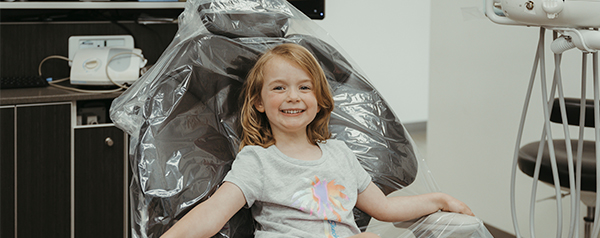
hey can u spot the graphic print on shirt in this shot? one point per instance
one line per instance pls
(330, 229)
(322, 198)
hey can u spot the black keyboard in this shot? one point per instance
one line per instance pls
(22, 82)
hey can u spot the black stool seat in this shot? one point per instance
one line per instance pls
(572, 107)
(528, 155)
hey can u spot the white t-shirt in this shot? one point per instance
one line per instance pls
(297, 198)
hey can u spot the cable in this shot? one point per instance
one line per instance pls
(82, 90)
(520, 136)
(550, 141)
(553, 164)
(51, 57)
(541, 147)
(596, 229)
(541, 55)
(568, 144)
(54, 83)
(580, 142)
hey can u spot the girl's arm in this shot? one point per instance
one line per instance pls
(403, 208)
(206, 219)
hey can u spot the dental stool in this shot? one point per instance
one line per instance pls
(529, 152)
(182, 115)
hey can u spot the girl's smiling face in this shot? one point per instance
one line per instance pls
(287, 97)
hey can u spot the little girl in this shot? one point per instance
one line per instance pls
(296, 180)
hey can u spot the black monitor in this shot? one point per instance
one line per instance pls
(315, 9)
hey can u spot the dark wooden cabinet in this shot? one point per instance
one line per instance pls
(100, 194)
(60, 179)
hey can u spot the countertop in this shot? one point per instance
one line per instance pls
(47, 95)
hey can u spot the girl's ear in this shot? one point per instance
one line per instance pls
(259, 106)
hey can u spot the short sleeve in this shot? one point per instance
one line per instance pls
(362, 177)
(245, 173)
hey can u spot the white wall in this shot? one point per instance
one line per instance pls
(389, 40)
(478, 79)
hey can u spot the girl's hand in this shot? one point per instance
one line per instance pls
(454, 205)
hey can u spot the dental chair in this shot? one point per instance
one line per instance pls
(182, 115)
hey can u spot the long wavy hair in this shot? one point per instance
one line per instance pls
(256, 129)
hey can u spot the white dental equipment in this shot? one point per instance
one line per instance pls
(577, 22)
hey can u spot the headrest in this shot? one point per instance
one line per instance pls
(233, 22)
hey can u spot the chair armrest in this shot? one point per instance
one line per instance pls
(443, 224)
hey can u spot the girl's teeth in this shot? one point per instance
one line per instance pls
(292, 111)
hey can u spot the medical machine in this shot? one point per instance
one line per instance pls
(104, 60)
(575, 23)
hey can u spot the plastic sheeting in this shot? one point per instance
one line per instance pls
(182, 118)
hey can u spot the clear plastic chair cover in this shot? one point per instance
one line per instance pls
(182, 118)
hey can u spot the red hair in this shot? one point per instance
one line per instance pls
(256, 129)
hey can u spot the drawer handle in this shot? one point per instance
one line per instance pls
(108, 141)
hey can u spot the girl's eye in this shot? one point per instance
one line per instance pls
(278, 88)
(305, 88)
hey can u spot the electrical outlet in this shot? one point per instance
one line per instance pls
(83, 42)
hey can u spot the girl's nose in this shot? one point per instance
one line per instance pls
(293, 95)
